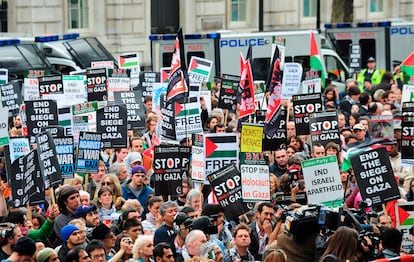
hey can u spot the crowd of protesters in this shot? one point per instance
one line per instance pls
(115, 215)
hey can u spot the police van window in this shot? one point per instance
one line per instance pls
(368, 49)
(191, 54)
(260, 67)
(342, 48)
(166, 59)
(336, 71)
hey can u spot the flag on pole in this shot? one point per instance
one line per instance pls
(246, 91)
(315, 58)
(248, 57)
(178, 80)
(273, 85)
(407, 66)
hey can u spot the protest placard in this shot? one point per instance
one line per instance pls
(74, 87)
(65, 120)
(375, 176)
(168, 119)
(18, 146)
(187, 118)
(31, 84)
(11, 97)
(4, 76)
(131, 61)
(405, 220)
(382, 127)
(4, 126)
(303, 106)
(102, 64)
(89, 147)
(48, 161)
(118, 80)
(279, 138)
(323, 182)
(407, 93)
(111, 121)
(220, 150)
(251, 138)
(227, 187)
(22, 183)
(96, 87)
(171, 164)
(312, 83)
(407, 109)
(199, 69)
(64, 147)
(292, 75)
(40, 114)
(324, 128)
(228, 94)
(135, 110)
(255, 177)
(147, 81)
(407, 140)
(197, 158)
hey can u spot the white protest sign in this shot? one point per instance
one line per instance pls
(311, 86)
(102, 64)
(292, 75)
(31, 89)
(197, 158)
(4, 126)
(75, 89)
(407, 94)
(255, 183)
(323, 182)
(199, 70)
(405, 220)
(206, 96)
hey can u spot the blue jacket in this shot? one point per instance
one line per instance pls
(143, 196)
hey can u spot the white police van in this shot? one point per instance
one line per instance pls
(224, 49)
(386, 41)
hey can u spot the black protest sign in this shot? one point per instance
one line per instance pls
(278, 140)
(11, 97)
(147, 80)
(407, 140)
(22, 183)
(303, 106)
(64, 152)
(168, 120)
(89, 147)
(96, 86)
(55, 131)
(226, 184)
(40, 114)
(228, 94)
(407, 109)
(111, 121)
(375, 176)
(324, 128)
(50, 85)
(48, 160)
(170, 165)
(135, 110)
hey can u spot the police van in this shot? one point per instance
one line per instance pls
(224, 49)
(385, 41)
(67, 52)
(19, 58)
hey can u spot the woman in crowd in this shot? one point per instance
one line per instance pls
(330, 94)
(143, 247)
(112, 181)
(333, 149)
(274, 187)
(106, 208)
(342, 245)
(275, 255)
(153, 217)
(410, 195)
(354, 119)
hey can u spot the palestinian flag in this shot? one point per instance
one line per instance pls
(274, 85)
(200, 66)
(128, 60)
(181, 111)
(407, 66)
(246, 91)
(221, 146)
(178, 79)
(315, 58)
(65, 119)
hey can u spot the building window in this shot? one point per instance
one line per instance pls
(309, 8)
(78, 17)
(238, 10)
(376, 6)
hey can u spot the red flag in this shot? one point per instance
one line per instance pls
(246, 91)
(273, 85)
(178, 80)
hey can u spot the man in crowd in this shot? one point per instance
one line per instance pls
(369, 77)
(359, 132)
(135, 187)
(318, 150)
(104, 234)
(193, 243)
(11, 236)
(163, 253)
(96, 250)
(166, 233)
(280, 165)
(71, 237)
(23, 250)
(89, 215)
(68, 201)
(240, 251)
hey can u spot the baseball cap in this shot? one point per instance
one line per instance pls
(358, 127)
(82, 211)
(138, 169)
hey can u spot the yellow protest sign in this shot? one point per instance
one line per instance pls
(251, 138)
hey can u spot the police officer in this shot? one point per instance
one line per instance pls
(369, 77)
